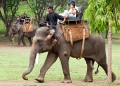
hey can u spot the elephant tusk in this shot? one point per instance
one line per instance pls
(37, 59)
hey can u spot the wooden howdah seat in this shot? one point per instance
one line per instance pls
(78, 15)
(76, 29)
(27, 25)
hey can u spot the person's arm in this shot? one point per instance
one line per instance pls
(47, 19)
(59, 16)
(73, 11)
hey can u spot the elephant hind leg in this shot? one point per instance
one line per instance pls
(102, 62)
(23, 41)
(89, 75)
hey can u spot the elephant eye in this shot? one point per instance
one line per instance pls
(40, 40)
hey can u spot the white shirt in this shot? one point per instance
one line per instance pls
(73, 10)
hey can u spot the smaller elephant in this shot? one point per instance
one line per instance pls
(18, 29)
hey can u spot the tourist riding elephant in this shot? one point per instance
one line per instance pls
(18, 29)
(94, 49)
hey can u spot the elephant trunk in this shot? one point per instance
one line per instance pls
(31, 64)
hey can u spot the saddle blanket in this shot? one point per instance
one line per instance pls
(27, 27)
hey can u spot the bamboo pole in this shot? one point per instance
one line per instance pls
(110, 53)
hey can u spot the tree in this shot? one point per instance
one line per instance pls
(39, 7)
(82, 3)
(104, 14)
(8, 12)
(1, 3)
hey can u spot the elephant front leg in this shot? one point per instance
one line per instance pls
(29, 38)
(51, 58)
(19, 40)
(89, 74)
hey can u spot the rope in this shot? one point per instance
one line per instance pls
(29, 27)
(83, 42)
(71, 38)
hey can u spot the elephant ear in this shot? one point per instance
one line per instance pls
(47, 32)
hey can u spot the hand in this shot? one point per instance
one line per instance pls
(48, 38)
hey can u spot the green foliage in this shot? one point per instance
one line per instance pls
(9, 8)
(100, 12)
(2, 27)
(24, 8)
(8, 12)
(39, 7)
(82, 3)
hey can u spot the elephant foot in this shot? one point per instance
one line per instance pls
(113, 77)
(18, 45)
(40, 79)
(88, 79)
(66, 81)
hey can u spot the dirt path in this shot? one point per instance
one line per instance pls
(47, 83)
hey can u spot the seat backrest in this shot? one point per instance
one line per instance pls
(80, 12)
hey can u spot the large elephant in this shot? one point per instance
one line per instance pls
(17, 29)
(94, 49)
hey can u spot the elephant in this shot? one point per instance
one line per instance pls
(17, 29)
(94, 50)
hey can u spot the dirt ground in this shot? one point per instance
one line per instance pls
(10, 46)
(47, 83)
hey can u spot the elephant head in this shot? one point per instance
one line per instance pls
(13, 31)
(39, 46)
(40, 36)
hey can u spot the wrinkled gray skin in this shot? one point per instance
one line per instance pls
(17, 29)
(94, 49)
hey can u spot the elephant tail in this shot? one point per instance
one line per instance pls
(97, 70)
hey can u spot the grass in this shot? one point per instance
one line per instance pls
(2, 27)
(14, 60)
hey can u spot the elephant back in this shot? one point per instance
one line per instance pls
(27, 27)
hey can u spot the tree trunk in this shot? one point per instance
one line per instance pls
(106, 34)
(1, 3)
(7, 30)
(110, 53)
(67, 7)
